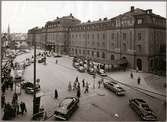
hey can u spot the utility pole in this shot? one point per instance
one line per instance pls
(34, 98)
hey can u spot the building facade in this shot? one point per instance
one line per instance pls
(137, 36)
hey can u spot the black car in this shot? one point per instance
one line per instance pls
(66, 108)
(29, 87)
(114, 87)
(142, 109)
(41, 60)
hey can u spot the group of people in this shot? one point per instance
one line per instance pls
(138, 79)
(76, 87)
(13, 109)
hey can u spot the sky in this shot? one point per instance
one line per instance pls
(24, 15)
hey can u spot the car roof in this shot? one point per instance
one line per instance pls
(139, 100)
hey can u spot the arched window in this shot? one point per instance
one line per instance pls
(112, 57)
(97, 54)
(103, 55)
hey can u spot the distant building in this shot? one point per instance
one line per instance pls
(136, 37)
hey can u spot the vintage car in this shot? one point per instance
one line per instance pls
(114, 87)
(66, 108)
(41, 60)
(29, 87)
(142, 109)
(91, 71)
(101, 72)
(81, 69)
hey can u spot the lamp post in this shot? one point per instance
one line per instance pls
(34, 97)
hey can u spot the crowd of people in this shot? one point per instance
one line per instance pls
(85, 85)
(10, 108)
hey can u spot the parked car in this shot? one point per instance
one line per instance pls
(41, 60)
(101, 72)
(18, 74)
(29, 87)
(66, 108)
(75, 64)
(81, 69)
(114, 87)
(142, 109)
(91, 71)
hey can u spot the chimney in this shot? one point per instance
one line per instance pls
(100, 19)
(70, 14)
(88, 20)
(105, 18)
(57, 17)
(132, 8)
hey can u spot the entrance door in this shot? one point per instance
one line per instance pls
(139, 64)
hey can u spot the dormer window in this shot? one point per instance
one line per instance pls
(139, 21)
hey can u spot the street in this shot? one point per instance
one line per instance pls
(99, 104)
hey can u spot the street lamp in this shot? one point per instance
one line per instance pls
(34, 97)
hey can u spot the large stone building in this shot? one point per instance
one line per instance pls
(137, 37)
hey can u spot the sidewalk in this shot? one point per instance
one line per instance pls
(148, 81)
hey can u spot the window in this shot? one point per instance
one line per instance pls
(139, 36)
(98, 44)
(88, 36)
(80, 51)
(112, 57)
(97, 54)
(117, 39)
(103, 44)
(98, 36)
(139, 48)
(83, 51)
(124, 36)
(103, 36)
(112, 45)
(88, 52)
(92, 36)
(103, 55)
(124, 47)
(139, 21)
(76, 51)
(112, 36)
(92, 53)
(130, 39)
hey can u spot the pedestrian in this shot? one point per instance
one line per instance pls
(2, 100)
(83, 82)
(69, 86)
(131, 75)
(15, 98)
(76, 80)
(78, 92)
(86, 88)
(137, 69)
(99, 83)
(138, 80)
(3, 88)
(56, 94)
(7, 112)
(11, 84)
(23, 107)
(78, 85)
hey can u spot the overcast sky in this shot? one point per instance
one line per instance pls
(23, 15)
